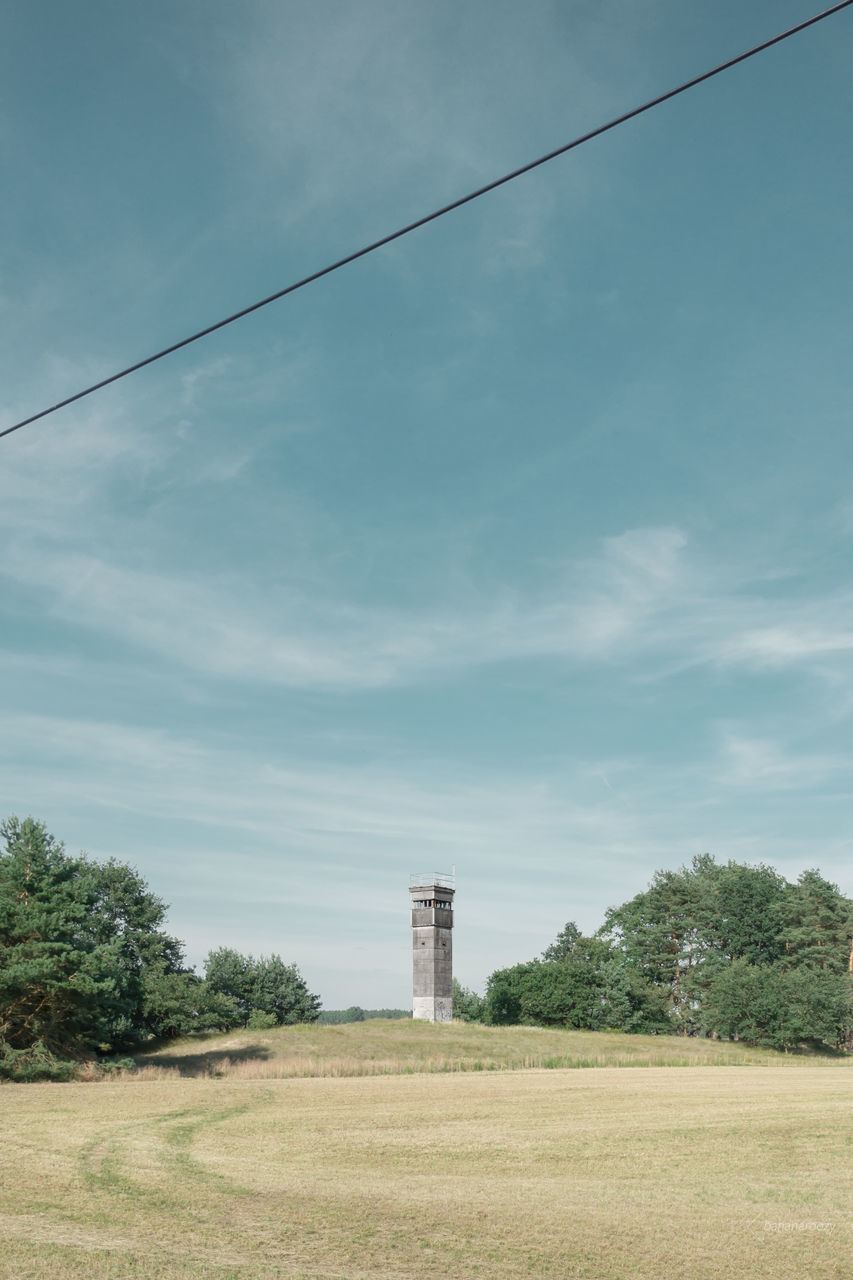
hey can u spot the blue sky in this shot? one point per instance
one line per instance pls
(522, 545)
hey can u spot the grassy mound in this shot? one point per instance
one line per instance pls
(382, 1047)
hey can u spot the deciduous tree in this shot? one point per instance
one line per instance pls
(267, 985)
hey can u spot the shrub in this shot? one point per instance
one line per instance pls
(260, 1021)
(36, 1062)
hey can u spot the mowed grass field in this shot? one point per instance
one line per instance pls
(684, 1172)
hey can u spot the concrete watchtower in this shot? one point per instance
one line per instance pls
(432, 946)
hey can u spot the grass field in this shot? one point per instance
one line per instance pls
(689, 1173)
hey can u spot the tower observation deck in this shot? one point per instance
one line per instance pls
(432, 946)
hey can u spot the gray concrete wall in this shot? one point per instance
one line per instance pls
(432, 915)
(432, 968)
(433, 1008)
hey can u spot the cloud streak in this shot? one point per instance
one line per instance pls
(213, 624)
(641, 599)
(766, 764)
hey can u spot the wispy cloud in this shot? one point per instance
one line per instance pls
(797, 637)
(347, 816)
(221, 626)
(58, 476)
(372, 121)
(767, 764)
(641, 599)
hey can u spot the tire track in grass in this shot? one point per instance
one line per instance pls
(105, 1159)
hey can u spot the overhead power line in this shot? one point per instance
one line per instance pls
(437, 213)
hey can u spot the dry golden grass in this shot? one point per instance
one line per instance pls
(382, 1047)
(660, 1174)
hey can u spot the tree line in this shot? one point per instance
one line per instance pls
(729, 950)
(355, 1013)
(87, 969)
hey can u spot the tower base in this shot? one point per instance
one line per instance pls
(433, 1008)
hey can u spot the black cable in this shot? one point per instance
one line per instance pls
(437, 213)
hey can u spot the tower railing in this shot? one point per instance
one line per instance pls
(422, 879)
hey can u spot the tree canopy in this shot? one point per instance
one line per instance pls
(264, 986)
(86, 964)
(716, 949)
(81, 946)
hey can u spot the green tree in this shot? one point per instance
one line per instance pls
(564, 943)
(178, 1003)
(730, 950)
(279, 989)
(589, 985)
(745, 911)
(545, 994)
(77, 939)
(467, 1005)
(52, 988)
(630, 1002)
(778, 1006)
(691, 923)
(266, 985)
(816, 925)
(336, 1017)
(661, 932)
(230, 974)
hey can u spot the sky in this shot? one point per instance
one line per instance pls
(520, 547)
